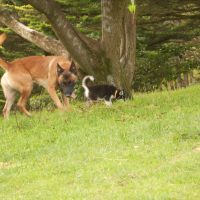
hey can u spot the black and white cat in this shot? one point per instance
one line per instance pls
(99, 92)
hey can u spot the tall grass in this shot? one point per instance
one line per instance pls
(145, 148)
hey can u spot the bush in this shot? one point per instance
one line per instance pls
(166, 64)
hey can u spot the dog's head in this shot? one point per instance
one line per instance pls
(67, 79)
(120, 94)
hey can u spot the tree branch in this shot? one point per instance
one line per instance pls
(81, 48)
(45, 42)
(176, 13)
(179, 17)
(165, 39)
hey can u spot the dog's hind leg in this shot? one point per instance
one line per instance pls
(25, 93)
(10, 95)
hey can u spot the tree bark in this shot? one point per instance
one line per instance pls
(82, 49)
(171, 85)
(191, 76)
(186, 80)
(160, 87)
(44, 42)
(176, 85)
(179, 81)
(119, 41)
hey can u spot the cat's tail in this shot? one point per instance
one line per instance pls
(86, 80)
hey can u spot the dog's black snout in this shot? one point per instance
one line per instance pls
(67, 95)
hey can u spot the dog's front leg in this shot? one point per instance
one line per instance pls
(66, 101)
(54, 96)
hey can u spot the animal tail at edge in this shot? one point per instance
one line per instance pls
(3, 63)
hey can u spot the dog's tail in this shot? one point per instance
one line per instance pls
(3, 63)
(2, 38)
(86, 80)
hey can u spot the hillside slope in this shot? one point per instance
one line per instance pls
(147, 148)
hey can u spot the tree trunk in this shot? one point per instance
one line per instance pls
(110, 59)
(179, 82)
(118, 42)
(160, 87)
(171, 85)
(186, 81)
(191, 76)
(176, 85)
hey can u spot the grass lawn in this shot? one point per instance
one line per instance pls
(145, 148)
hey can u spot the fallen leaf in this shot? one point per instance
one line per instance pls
(119, 164)
(159, 113)
(197, 149)
(175, 108)
(66, 120)
(7, 164)
(122, 183)
(127, 116)
(151, 106)
(122, 120)
(71, 182)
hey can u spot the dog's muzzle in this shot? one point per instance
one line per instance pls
(68, 90)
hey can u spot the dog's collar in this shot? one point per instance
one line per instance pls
(115, 94)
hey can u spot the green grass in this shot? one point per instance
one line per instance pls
(150, 151)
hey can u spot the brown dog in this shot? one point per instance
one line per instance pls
(52, 72)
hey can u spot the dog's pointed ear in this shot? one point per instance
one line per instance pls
(73, 68)
(60, 70)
